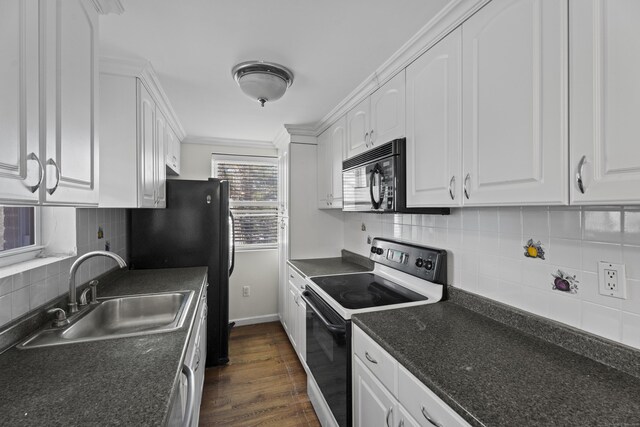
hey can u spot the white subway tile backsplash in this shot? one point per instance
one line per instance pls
(601, 320)
(22, 279)
(5, 309)
(631, 329)
(19, 302)
(6, 285)
(486, 251)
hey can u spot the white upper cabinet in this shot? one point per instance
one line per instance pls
(388, 111)
(48, 94)
(71, 94)
(434, 115)
(20, 162)
(514, 80)
(330, 157)
(358, 127)
(147, 189)
(173, 151)
(377, 119)
(160, 175)
(605, 101)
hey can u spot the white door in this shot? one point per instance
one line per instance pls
(292, 314)
(147, 148)
(160, 161)
(358, 128)
(605, 101)
(324, 169)
(388, 111)
(20, 160)
(70, 72)
(338, 137)
(514, 75)
(373, 405)
(301, 321)
(434, 117)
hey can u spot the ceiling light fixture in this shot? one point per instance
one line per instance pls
(264, 81)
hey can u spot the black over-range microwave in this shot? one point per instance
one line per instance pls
(375, 181)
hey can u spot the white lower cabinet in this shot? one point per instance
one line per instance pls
(386, 394)
(296, 313)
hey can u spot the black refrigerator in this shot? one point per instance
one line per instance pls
(195, 229)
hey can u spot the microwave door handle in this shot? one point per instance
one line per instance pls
(334, 329)
(375, 171)
(233, 243)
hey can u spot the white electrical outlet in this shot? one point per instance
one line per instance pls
(611, 279)
(246, 291)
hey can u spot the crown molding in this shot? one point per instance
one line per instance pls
(302, 130)
(448, 19)
(143, 70)
(105, 7)
(228, 142)
(282, 139)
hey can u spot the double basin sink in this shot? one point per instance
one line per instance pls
(118, 317)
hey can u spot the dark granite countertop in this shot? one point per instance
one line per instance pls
(348, 263)
(123, 381)
(495, 375)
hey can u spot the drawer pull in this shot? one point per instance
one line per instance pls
(369, 358)
(389, 412)
(428, 417)
(401, 423)
(291, 275)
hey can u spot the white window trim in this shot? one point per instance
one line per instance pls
(25, 253)
(249, 160)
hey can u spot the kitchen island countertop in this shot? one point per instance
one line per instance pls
(122, 381)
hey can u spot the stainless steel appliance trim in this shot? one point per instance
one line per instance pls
(336, 329)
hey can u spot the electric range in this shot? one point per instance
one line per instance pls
(404, 275)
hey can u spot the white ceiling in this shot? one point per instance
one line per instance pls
(330, 45)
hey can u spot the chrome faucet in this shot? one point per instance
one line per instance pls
(73, 305)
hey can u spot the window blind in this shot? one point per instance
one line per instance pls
(253, 198)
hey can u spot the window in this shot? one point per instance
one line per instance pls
(253, 198)
(18, 233)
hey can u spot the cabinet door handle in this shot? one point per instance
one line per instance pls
(389, 412)
(579, 181)
(466, 182)
(191, 395)
(371, 138)
(369, 358)
(55, 165)
(34, 188)
(366, 138)
(426, 415)
(452, 182)
(401, 423)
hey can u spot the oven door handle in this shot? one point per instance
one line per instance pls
(334, 329)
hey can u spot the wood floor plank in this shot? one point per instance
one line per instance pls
(264, 383)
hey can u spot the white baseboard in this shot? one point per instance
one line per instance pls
(256, 319)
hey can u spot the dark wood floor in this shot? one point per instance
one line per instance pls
(263, 384)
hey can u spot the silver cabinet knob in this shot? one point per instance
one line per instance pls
(34, 188)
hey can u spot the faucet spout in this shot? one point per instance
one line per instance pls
(73, 305)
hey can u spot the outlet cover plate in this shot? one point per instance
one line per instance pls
(616, 288)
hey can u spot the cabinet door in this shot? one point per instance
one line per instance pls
(70, 76)
(292, 304)
(324, 169)
(373, 405)
(338, 137)
(406, 420)
(434, 116)
(605, 101)
(358, 128)
(301, 320)
(20, 167)
(388, 111)
(147, 151)
(160, 173)
(514, 76)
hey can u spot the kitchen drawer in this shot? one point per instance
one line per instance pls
(379, 362)
(297, 279)
(422, 404)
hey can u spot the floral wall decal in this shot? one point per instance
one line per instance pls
(565, 282)
(533, 250)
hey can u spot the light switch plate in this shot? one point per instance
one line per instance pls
(612, 280)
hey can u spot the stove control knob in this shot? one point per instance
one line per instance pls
(428, 264)
(379, 251)
(419, 262)
(373, 249)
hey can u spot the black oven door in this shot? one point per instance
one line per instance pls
(329, 355)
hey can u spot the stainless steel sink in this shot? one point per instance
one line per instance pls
(119, 317)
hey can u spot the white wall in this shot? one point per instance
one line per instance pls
(486, 255)
(257, 269)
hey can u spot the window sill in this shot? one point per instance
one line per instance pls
(20, 267)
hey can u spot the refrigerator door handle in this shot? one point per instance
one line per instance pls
(233, 243)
